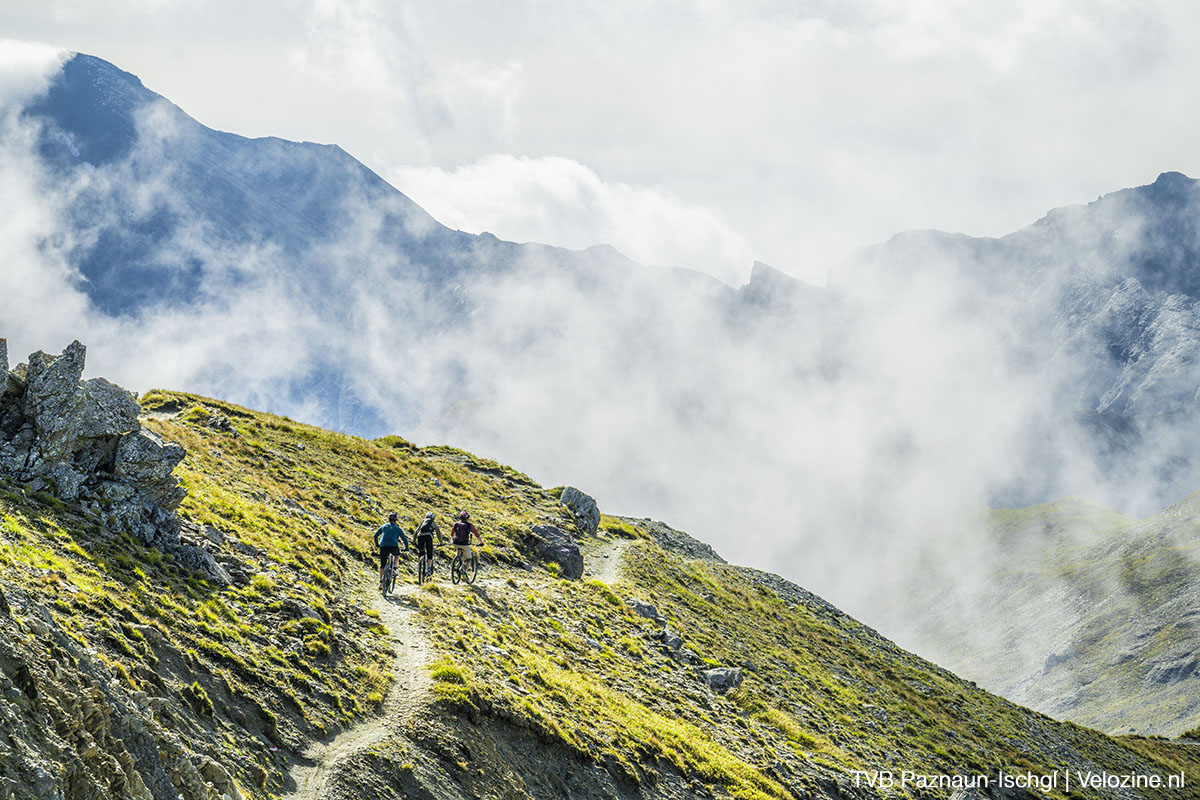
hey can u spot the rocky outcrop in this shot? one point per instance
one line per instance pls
(70, 729)
(584, 508)
(557, 546)
(81, 441)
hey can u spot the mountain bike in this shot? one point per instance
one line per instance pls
(464, 572)
(424, 569)
(388, 584)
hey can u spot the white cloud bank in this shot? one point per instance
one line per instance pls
(564, 202)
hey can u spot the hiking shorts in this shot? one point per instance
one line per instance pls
(425, 546)
(464, 550)
(384, 552)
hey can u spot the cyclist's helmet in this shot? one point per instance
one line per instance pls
(464, 516)
(392, 517)
(429, 515)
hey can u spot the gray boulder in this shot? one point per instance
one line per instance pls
(670, 639)
(3, 364)
(198, 560)
(722, 679)
(147, 463)
(554, 544)
(587, 513)
(107, 410)
(645, 610)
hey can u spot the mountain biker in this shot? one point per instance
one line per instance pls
(387, 539)
(460, 535)
(425, 533)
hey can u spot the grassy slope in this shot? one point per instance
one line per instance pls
(565, 662)
(1085, 603)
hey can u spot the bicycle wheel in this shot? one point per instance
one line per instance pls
(386, 581)
(456, 573)
(421, 570)
(392, 577)
(471, 571)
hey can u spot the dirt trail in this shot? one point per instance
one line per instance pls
(408, 693)
(411, 689)
(604, 563)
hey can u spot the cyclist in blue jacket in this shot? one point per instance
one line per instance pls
(387, 539)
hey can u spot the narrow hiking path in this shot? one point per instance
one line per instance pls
(604, 562)
(409, 692)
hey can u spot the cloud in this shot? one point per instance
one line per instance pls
(26, 69)
(562, 202)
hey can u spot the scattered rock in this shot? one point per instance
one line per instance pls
(587, 513)
(214, 773)
(556, 545)
(645, 609)
(670, 639)
(299, 610)
(668, 538)
(249, 550)
(1172, 671)
(200, 561)
(722, 679)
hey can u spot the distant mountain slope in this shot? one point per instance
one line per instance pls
(669, 674)
(1082, 613)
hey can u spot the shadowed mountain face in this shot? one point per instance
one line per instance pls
(795, 425)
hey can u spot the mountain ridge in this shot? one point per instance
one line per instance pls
(675, 677)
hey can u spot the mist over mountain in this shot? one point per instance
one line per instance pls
(798, 428)
(1100, 306)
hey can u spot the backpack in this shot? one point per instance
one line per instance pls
(462, 532)
(427, 527)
